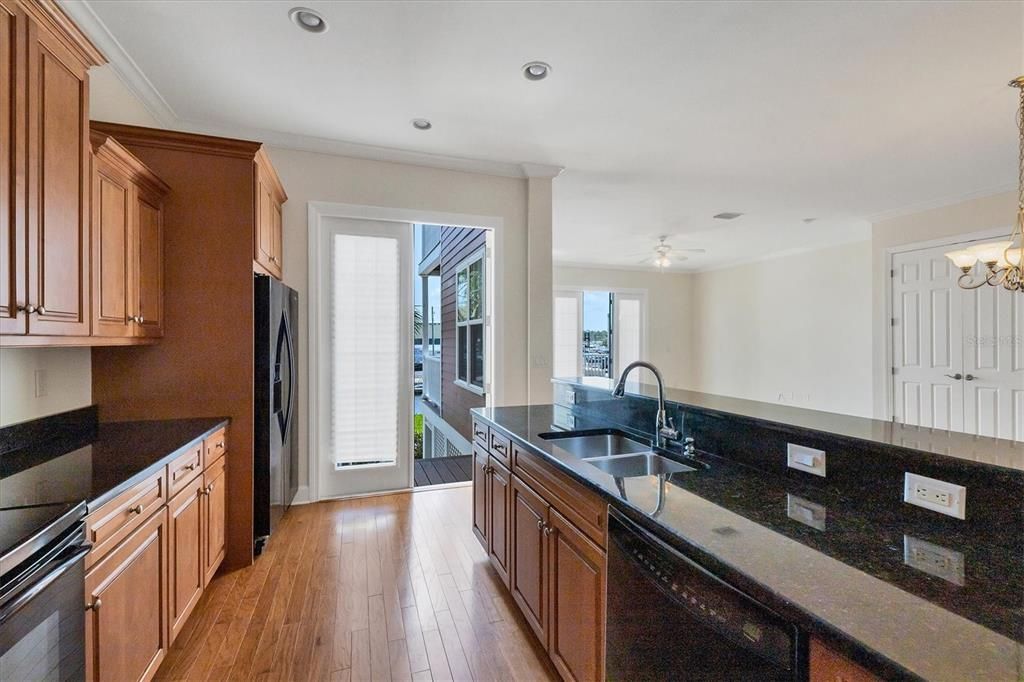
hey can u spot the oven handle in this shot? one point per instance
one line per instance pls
(15, 605)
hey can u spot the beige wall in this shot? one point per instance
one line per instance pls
(793, 330)
(669, 312)
(68, 370)
(980, 217)
(319, 177)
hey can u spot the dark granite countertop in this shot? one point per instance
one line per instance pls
(818, 556)
(995, 451)
(96, 465)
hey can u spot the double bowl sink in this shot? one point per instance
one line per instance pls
(616, 453)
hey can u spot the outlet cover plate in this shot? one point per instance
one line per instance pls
(803, 458)
(939, 496)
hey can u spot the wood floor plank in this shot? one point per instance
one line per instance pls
(393, 587)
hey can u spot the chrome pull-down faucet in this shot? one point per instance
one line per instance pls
(664, 428)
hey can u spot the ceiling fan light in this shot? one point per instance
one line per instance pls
(662, 261)
(964, 259)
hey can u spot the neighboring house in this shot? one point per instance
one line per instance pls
(451, 263)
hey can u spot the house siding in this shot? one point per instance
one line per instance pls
(457, 244)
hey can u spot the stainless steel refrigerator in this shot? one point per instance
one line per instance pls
(275, 450)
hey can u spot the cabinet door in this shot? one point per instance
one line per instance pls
(58, 200)
(149, 258)
(480, 495)
(577, 608)
(265, 213)
(113, 252)
(12, 232)
(277, 238)
(187, 574)
(499, 494)
(828, 666)
(126, 617)
(529, 570)
(214, 499)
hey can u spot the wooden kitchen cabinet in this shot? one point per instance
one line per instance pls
(829, 666)
(214, 518)
(126, 633)
(499, 495)
(127, 243)
(577, 602)
(529, 570)
(480, 464)
(187, 568)
(270, 197)
(45, 260)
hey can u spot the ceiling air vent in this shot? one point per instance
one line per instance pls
(728, 215)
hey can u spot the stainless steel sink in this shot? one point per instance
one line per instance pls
(645, 464)
(598, 443)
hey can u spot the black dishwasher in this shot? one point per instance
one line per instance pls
(669, 618)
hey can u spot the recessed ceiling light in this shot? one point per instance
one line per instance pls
(728, 215)
(536, 71)
(422, 124)
(307, 19)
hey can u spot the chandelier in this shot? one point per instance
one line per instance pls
(1001, 261)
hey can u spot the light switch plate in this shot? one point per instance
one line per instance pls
(933, 559)
(803, 458)
(931, 493)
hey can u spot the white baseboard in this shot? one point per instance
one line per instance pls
(302, 495)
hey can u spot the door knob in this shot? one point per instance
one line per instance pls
(957, 377)
(95, 606)
(970, 377)
(26, 309)
(137, 509)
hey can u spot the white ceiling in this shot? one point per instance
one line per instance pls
(662, 114)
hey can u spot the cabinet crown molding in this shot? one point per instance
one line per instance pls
(49, 14)
(156, 138)
(110, 150)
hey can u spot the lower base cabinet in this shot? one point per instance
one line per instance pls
(187, 568)
(126, 631)
(829, 666)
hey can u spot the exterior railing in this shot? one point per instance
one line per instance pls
(597, 363)
(432, 378)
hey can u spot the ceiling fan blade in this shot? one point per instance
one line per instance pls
(692, 250)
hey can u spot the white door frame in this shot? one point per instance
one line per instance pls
(316, 213)
(642, 293)
(890, 252)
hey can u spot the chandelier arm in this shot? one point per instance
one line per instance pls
(966, 281)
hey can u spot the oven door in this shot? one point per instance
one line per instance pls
(42, 617)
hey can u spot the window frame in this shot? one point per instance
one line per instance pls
(480, 255)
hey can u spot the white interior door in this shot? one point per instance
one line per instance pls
(927, 340)
(994, 363)
(568, 334)
(628, 326)
(365, 357)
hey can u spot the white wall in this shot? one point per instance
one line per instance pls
(991, 215)
(319, 177)
(68, 370)
(669, 312)
(793, 330)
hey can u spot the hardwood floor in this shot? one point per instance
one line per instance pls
(443, 470)
(391, 587)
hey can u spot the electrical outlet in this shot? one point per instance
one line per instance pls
(933, 559)
(940, 496)
(42, 379)
(803, 458)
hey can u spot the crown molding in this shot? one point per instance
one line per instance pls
(941, 202)
(66, 30)
(124, 66)
(540, 170)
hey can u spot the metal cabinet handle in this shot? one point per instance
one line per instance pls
(969, 377)
(95, 606)
(209, 488)
(192, 466)
(220, 445)
(26, 309)
(957, 377)
(499, 447)
(137, 509)
(547, 530)
(540, 524)
(41, 310)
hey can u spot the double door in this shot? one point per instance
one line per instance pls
(958, 355)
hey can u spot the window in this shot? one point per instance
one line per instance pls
(469, 323)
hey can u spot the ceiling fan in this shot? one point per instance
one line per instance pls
(665, 254)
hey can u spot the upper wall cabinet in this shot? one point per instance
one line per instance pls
(127, 243)
(269, 196)
(44, 184)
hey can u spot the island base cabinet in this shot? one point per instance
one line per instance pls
(126, 629)
(529, 584)
(577, 608)
(480, 466)
(499, 490)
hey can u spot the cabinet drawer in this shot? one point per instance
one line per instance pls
(481, 433)
(184, 468)
(115, 520)
(501, 448)
(215, 446)
(582, 507)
